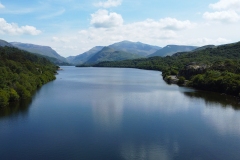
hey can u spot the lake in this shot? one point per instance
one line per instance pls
(120, 114)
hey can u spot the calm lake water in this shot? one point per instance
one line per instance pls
(119, 114)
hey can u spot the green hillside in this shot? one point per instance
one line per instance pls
(215, 69)
(137, 48)
(110, 54)
(171, 49)
(82, 58)
(127, 50)
(42, 50)
(21, 73)
(5, 43)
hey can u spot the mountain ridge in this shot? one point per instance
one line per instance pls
(172, 49)
(212, 68)
(138, 48)
(82, 58)
(39, 49)
(5, 43)
(110, 54)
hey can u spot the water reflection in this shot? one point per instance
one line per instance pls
(16, 109)
(93, 113)
(107, 111)
(224, 120)
(214, 99)
(152, 151)
(164, 101)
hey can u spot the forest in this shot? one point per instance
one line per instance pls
(22, 73)
(213, 68)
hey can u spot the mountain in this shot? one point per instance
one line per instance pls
(171, 49)
(42, 50)
(82, 58)
(137, 48)
(22, 73)
(4, 43)
(203, 47)
(110, 54)
(214, 69)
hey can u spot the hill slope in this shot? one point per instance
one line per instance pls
(213, 69)
(204, 47)
(171, 49)
(137, 48)
(82, 58)
(42, 50)
(21, 73)
(4, 43)
(110, 54)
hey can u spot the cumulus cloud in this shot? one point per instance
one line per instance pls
(57, 39)
(163, 30)
(225, 16)
(104, 19)
(1, 5)
(165, 24)
(207, 41)
(227, 11)
(109, 3)
(149, 31)
(226, 5)
(14, 29)
(174, 24)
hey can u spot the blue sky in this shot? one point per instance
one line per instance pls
(74, 26)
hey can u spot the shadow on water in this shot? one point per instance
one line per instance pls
(212, 98)
(19, 108)
(16, 109)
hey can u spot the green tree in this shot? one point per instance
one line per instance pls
(13, 95)
(4, 98)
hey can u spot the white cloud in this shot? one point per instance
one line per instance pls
(145, 31)
(224, 16)
(150, 31)
(14, 29)
(155, 32)
(1, 5)
(226, 5)
(104, 19)
(109, 3)
(210, 41)
(174, 24)
(57, 39)
(222, 41)
(63, 40)
(227, 11)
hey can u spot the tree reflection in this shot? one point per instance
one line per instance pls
(16, 109)
(215, 99)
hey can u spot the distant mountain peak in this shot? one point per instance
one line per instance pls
(172, 49)
(42, 50)
(5, 43)
(137, 48)
(29, 44)
(82, 58)
(111, 54)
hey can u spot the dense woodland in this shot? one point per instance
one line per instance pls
(214, 68)
(21, 73)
